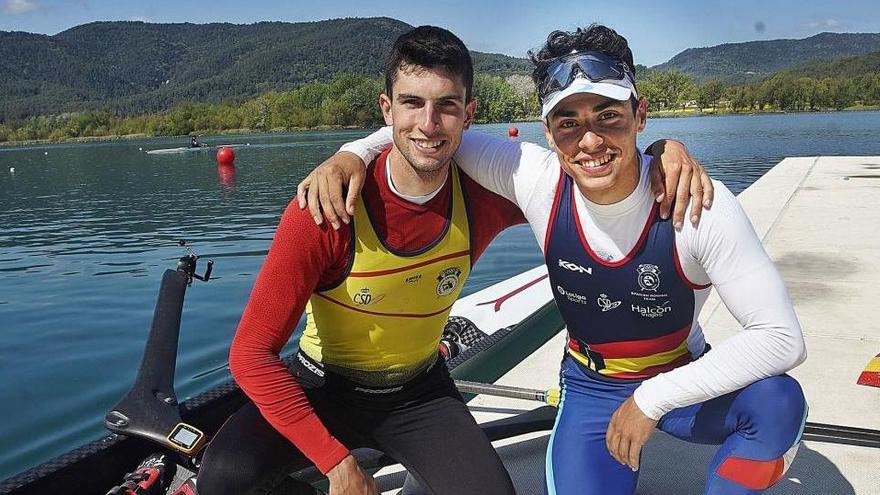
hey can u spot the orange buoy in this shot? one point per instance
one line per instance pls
(513, 132)
(225, 156)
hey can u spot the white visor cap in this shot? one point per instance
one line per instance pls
(616, 89)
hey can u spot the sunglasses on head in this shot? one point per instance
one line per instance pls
(595, 66)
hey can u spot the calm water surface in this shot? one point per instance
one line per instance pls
(86, 231)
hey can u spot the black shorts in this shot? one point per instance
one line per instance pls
(423, 424)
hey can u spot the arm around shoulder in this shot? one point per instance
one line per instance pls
(506, 167)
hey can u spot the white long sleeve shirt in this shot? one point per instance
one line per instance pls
(722, 249)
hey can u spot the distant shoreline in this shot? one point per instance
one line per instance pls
(691, 112)
(661, 114)
(206, 132)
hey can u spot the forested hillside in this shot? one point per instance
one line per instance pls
(133, 68)
(744, 62)
(129, 78)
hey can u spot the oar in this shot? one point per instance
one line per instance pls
(819, 432)
(549, 396)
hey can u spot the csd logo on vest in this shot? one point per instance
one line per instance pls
(606, 304)
(365, 298)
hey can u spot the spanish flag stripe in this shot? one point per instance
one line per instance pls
(652, 371)
(628, 365)
(643, 367)
(873, 365)
(642, 348)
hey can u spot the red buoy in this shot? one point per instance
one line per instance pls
(513, 132)
(225, 156)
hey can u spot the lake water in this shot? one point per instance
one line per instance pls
(86, 231)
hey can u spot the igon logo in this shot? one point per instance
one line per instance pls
(568, 265)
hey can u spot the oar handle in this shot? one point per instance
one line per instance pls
(549, 396)
(818, 432)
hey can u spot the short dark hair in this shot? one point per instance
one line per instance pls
(594, 37)
(430, 47)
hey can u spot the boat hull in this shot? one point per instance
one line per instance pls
(507, 322)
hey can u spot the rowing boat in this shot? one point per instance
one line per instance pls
(498, 326)
(191, 149)
(487, 333)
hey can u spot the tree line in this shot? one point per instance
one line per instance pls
(347, 100)
(784, 91)
(350, 100)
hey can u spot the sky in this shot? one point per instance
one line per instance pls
(656, 30)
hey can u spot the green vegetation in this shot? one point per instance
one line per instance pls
(505, 100)
(784, 91)
(345, 101)
(129, 78)
(133, 68)
(350, 100)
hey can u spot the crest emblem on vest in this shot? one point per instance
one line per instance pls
(605, 303)
(447, 281)
(649, 277)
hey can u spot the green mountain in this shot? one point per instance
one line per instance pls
(855, 66)
(133, 67)
(742, 62)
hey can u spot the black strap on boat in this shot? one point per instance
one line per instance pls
(151, 477)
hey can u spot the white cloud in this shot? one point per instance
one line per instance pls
(14, 7)
(826, 24)
(140, 18)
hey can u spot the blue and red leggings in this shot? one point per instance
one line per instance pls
(758, 429)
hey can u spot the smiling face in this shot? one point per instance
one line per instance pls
(595, 140)
(428, 112)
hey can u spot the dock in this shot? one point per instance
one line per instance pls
(819, 220)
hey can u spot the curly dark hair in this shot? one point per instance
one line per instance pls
(594, 37)
(430, 47)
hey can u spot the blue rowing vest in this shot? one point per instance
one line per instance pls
(626, 319)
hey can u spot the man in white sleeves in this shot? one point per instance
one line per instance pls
(630, 286)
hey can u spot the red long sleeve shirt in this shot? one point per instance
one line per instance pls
(304, 256)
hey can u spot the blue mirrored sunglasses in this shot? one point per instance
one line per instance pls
(595, 66)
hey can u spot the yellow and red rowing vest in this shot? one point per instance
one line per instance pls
(384, 320)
